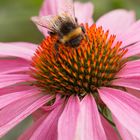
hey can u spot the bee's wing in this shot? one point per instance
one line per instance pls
(66, 7)
(46, 22)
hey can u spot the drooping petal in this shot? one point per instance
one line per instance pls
(133, 50)
(131, 35)
(15, 88)
(49, 7)
(131, 69)
(27, 45)
(125, 134)
(40, 118)
(29, 132)
(21, 70)
(19, 110)
(133, 92)
(11, 64)
(12, 97)
(38, 114)
(125, 107)
(68, 119)
(7, 80)
(132, 82)
(89, 125)
(87, 12)
(132, 64)
(109, 130)
(48, 128)
(47, 109)
(17, 50)
(111, 21)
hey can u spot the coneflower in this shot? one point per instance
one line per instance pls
(86, 93)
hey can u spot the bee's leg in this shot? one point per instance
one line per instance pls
(51, 33)
(56, 46)
(84, 31)
(76, 20)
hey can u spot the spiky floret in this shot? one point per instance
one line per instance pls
(78, 70)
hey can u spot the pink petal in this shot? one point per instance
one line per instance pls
(131, 35)
(38, 114)
(17, 50)
(87, 12)
(68, 120)
(27, 45)
(7, 80)
(89, 125)
(10, 64)
(16, 88)
(125, 134)
(47, 109)
(9, 98)
(133, 92)
(133, 50)
(20, 70)
(49, 7)
(109, 130)
(117, 21)
(19, 110)
(132, 82)
(48, 128)
(133, 64)
(124, 106)
(131, 69)
(58, 101)
(40, 119)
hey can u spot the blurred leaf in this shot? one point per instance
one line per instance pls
(14, 133)
(15, 24)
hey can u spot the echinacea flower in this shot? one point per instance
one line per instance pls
(86, 93)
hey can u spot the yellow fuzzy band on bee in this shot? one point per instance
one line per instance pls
(71, 35)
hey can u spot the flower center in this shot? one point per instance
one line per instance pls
(78, 70)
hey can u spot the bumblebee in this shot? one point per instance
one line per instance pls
(64, 25)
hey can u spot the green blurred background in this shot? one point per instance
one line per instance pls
(15, 25)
